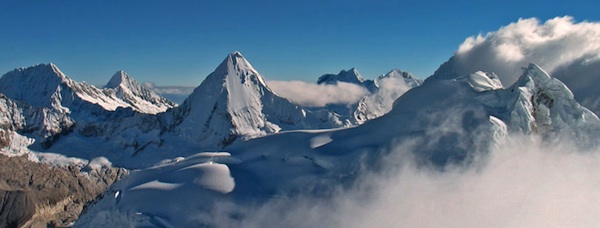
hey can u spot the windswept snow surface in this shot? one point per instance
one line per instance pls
(450, 128)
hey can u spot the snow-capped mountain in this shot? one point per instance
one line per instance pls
(235, 102)
(444, 121)
(52, 105)
(389, 87)
(45, 85)
(138, 97)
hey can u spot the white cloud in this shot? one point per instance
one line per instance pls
(555, 43)
(524, 183)
(176, 94)
(568, 50)
(381, 102)
(315, 95)
(148, 85)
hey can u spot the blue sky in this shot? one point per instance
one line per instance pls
(180, 43)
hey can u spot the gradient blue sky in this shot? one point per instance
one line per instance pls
(181, 42)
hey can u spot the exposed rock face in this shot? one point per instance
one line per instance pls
(39, 195)
(16, 207)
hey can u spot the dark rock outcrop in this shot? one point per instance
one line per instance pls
(40, 195)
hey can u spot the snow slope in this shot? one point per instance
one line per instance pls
(442, 122)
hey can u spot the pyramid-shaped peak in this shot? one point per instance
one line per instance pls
(237, 59)
(235, 65)
(120, 78)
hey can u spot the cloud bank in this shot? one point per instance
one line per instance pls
(568, 50)
(314, 95)
(523, 183)
(176, 94)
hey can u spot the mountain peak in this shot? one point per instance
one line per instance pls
(237, 59)
(235, 65)
(21, 80)
(120, 77)
(533, 73)
(236, 54)
(398, 73)
(532, 68)
(43, 69)
(234, 102)
(44, 85)
(133, 93)
(349, 76)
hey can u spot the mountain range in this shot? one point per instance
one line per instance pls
(235, 141)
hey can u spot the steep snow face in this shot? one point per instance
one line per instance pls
(234, 101)
(138, 97)
(551, 108)
(389, 87)
(442, 122)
